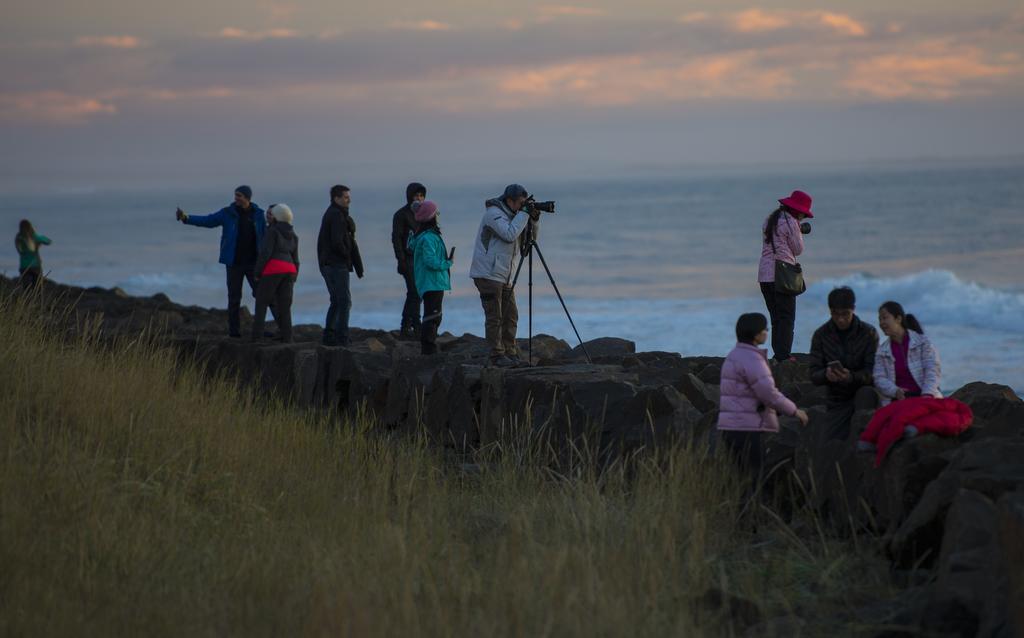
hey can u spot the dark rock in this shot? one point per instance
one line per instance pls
(607, 349)
(351, 379)
(579, 410)
(990, 401)
(453, 408)
(703, 397)
(990, 467)
(711, 373)
(1009, 569)
(965, 566)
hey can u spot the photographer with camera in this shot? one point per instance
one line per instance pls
(780, 276)
(495, 254)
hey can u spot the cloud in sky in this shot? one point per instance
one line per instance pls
(52, 107)
(931, 71)
(423, 25)
(234, 33)
(759, 20)
(109, 41)
(604, 61)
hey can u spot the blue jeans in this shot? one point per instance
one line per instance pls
(336, 324)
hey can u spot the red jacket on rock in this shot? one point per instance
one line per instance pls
(945, 417)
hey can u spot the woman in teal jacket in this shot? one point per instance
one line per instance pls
(431, 263)
(27, 241)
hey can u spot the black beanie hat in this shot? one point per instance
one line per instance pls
(514, 190)
(245, 190)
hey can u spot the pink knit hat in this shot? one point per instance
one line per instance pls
(426, 211)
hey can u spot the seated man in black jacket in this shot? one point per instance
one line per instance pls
(843, 358)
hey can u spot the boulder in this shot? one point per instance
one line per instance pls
(990, 467)
(965, 563)
(1009, 561)
(580, 411)
(602, 350)
(704, 397)
(351, 379)
(453, 407)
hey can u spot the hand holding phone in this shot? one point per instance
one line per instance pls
(836, 366)
(451, 254)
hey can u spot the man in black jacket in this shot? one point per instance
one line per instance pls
(403, 226)
(843, 358)
(338, 255)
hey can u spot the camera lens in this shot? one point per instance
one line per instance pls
(805, 228)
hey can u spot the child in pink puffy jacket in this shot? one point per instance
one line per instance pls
(749, 398)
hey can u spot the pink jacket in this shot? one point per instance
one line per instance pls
(789, 243)
(747, 384)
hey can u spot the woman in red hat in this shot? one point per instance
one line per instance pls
(782, 241)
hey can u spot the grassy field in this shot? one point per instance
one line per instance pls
(138, 497)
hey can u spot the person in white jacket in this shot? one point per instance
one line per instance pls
(496, 252)
(906, 364)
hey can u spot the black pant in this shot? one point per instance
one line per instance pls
(29, 277)
(237, 274)
(782, 310)
(745, 448)
(411, 309)
(839, 413)
(431, 321)
(274, 290)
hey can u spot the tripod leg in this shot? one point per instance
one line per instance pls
(544, 263)
(519, 269)
(529, 348)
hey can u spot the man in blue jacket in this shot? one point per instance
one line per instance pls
(242, 226)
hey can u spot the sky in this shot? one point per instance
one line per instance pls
(116, 92)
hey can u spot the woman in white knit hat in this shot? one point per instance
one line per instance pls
(276, 269)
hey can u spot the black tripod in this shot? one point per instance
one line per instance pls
(528, 248)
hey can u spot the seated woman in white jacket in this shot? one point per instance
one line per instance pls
(906, 364)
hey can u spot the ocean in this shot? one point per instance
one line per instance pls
(666, 259)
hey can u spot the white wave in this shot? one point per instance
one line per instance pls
(935, 297)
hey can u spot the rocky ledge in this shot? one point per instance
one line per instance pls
(949, 512)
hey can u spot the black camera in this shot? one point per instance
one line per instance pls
(805, 228)
(531, 206)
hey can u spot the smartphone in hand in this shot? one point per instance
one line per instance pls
(451, 254)
(836, 366)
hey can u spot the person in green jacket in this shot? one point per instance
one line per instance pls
(431, 263)
(27, 241)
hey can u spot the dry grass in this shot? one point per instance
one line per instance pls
(138, 497)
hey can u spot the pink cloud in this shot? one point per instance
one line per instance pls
(423, 25)
(626, 80)
(693, 18)
(52, 107)
(756, 20)
(842, 23)
(931, 71)
(234, 33)
(759, 21)
(109, 41)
